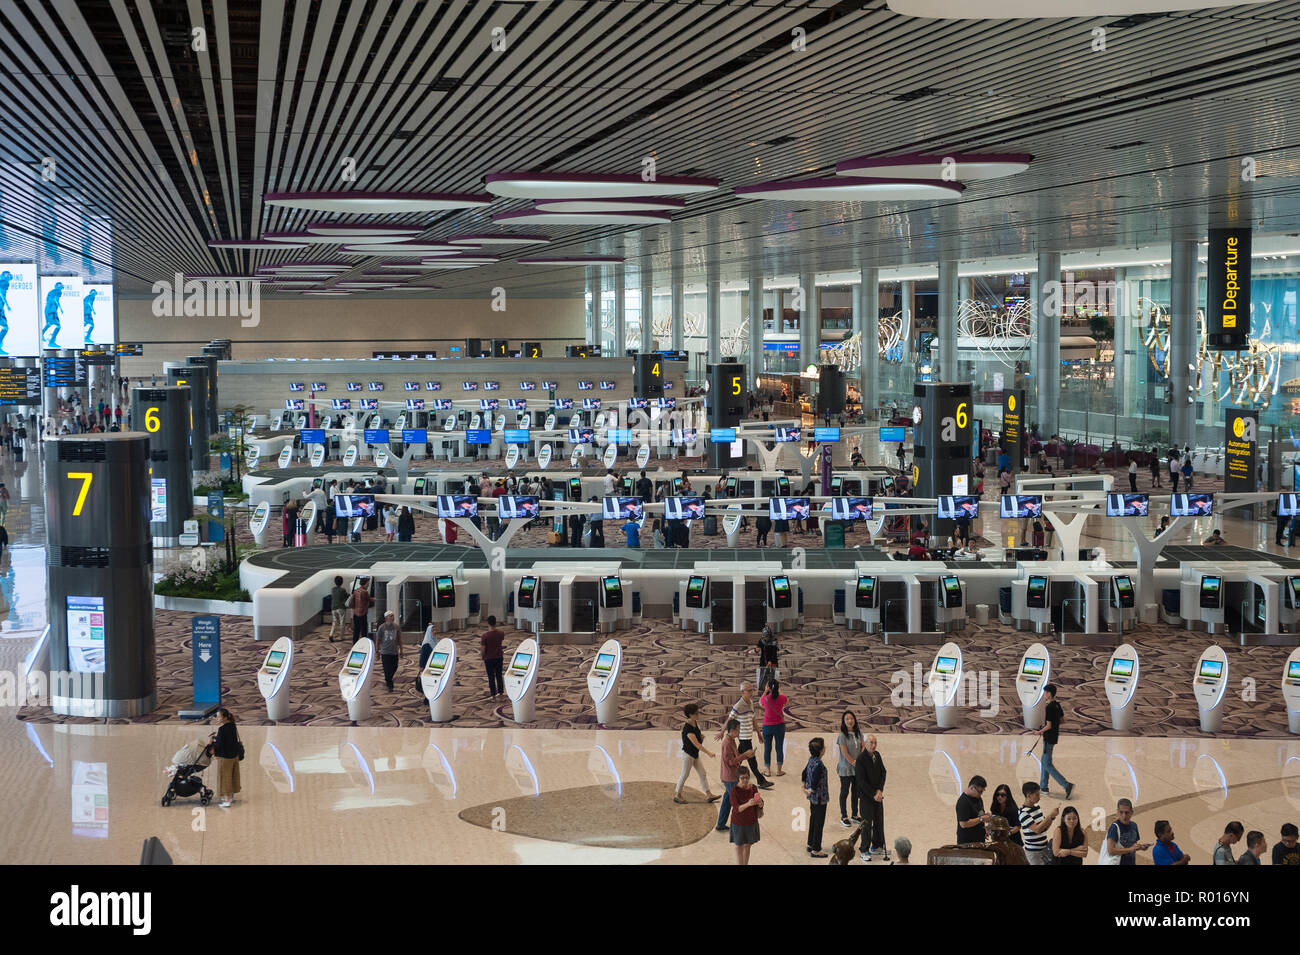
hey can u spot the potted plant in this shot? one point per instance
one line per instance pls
(1068, 446)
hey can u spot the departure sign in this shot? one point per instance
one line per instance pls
(20, 386)
(530, 350)
(1227, 303)
(64, 371)
(129, 349)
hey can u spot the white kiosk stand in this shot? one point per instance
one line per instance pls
(437, 678)
(1035, 673)
(257, 523)
(1209, 684)
(1121, 685)
(865, 609)
(273, 678)
(1291, 690)
(602, 681)
(355, 677)
(950, 611)
(528, 603)
(614, 612)
(1289, 613)
(945, 683)
(1037, 601)
(1121, 607)
(521, 680)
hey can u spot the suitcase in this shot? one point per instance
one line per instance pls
(710, 525)
(764, 675)
(554, 538)
(356, 537)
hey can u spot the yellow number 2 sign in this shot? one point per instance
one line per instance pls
(85, 477)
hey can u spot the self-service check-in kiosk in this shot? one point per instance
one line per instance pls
(528, 603)
(1289, 613)
(782, 614)
(866, 603)
(1121, 685)
(1204, 592)
(1291, 690)
(1040, 610)
(521, 680)
(950, 609)
(273, 678)
(1208, 685)
(257, 523)
(450, 602)
(1121, 608)
(354, 679)
(694, 602)
(1035, 673)
(437, 677)
(602, 681)
(945, 684)
(615, 611)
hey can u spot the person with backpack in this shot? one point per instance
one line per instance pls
(227, 751)
(1050, 731)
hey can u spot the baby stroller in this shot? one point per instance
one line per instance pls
(187, 773)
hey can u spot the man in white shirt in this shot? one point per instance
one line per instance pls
(611, 482)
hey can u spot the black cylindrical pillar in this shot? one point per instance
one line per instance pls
(164, 415)
(196, 377)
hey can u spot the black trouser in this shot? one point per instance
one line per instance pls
(761, 540)
(848, 797)
(1173, 481)
(390, 667)
(425, 650)
(816, 823)
(873, 822)
(745, 744)
(1282, 524)
(1133, 481)
(496, 684)
(359, 628)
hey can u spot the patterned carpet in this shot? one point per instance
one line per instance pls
(825, 668)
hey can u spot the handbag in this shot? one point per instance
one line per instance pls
(1104, 856)
(239, 748)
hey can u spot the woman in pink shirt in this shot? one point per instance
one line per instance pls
(773, 702)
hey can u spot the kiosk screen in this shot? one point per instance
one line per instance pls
(1293, 670)
(837, 483)
(1033, 666)
(780, 592)
(945, 666)
(865, 595)
(1210, 592)
(1295, 591)
(788, 508)
(1124, 590)
(275, 659)
(445, 591)
(604, 662)
(419, 485)
(527, 588)
(1288, 505)
(1022, 505)
(457, 505)
(438, 661)
(1127, 505)
(677, 486)
(683, 508)
(1036, 594)
(1210, 670)
(951, 592)
(963, 506)
(612, 587)
(356, 660)
(575, 489)
(851, 508)
(733, 486)
(783, 485)
(521, 661)
(1121, 668)
(695, 591)
(1191, 505)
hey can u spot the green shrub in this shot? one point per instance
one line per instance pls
(220, 583)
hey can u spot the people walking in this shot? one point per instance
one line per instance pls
(692, 746)
(773, 702)
(389, 638)
(493, 656)
(1050, 731)
(744, 712)
(338, 607)
(869, 781)
(227, 751)
(360, 604)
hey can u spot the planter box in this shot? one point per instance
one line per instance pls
(195, 605)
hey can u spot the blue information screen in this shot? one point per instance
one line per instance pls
(892, 434)
(826, 434)
(722, 435)
(516, 435)
(415, 436)
(376, 435)
(312, 435)
(478, 436)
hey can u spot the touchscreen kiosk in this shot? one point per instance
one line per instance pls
(444, 591)
(945, 684)
(602, 681)
(697, 592)
(611, 592)
(779, 596)
(521, 680)
(1121, 684)
(864, 595)
(258, 522)
(528, 603)
(950, 610)
(1122, 591)
(1289, 612)
(354, 679)
(273, 678)
(527, 592)
(1036, 593)
(1120, 608)
(1291, 690)
(866, 599)
(1035, 673)
(437, 679)
(951, 591)
(1211, 587)
(1208, 685)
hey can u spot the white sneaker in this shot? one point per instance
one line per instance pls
(224, 804)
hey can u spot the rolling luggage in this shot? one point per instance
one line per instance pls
(710, 525)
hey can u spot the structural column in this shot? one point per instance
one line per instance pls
(1047, 356)
(949, 287)
(1182, 343)
(647, 343)
(965, 289)
(713, 313)
(809, 321)
(679, 301)
(755, 325)
(1119, 310)
(620, 310)
(866, 316)
(593, 313)
(907, 306)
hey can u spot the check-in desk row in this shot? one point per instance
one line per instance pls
(1257, 600)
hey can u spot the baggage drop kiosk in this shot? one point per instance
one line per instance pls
(602, 681)
(945, 684)
(1036, 602)
(1289, 613)
(950, 606)
(354, 679)
(1291, 690)
(1208, 685)
(437, 679)
(257, 523)
(273, 678)
(865, 609)
(521, 680)
(1121, 608)
(1121, 685)
(1201, 600)
(693, 602)
(1035, 673)
(782, 613)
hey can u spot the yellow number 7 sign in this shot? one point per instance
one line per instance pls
(85, 477)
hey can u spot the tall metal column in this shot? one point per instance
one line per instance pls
(1047, 358)
(965, 289)
(755, 324)
(1123, 388)
(620, 310)
(679, 301)
(647, 342)
(867, 317)
(907, 305)
(809, 321)
(949, 286)
(592, 319)
(1182, 342)
(713, 313)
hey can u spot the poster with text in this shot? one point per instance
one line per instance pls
(18, 310)
(60, 311)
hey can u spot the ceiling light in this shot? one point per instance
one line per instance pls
(398, 248)
(610, 205)
(537, 217)
(375, 203)
(252, 244)
(357, 232)
(497, 238)
(571, 260)
(964, 166)
(850, 189)
(576, 185)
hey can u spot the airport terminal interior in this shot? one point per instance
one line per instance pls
(432, 424)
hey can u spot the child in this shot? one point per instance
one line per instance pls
(814, 787)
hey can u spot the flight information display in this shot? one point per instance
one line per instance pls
(63, 371)
(20, 386)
